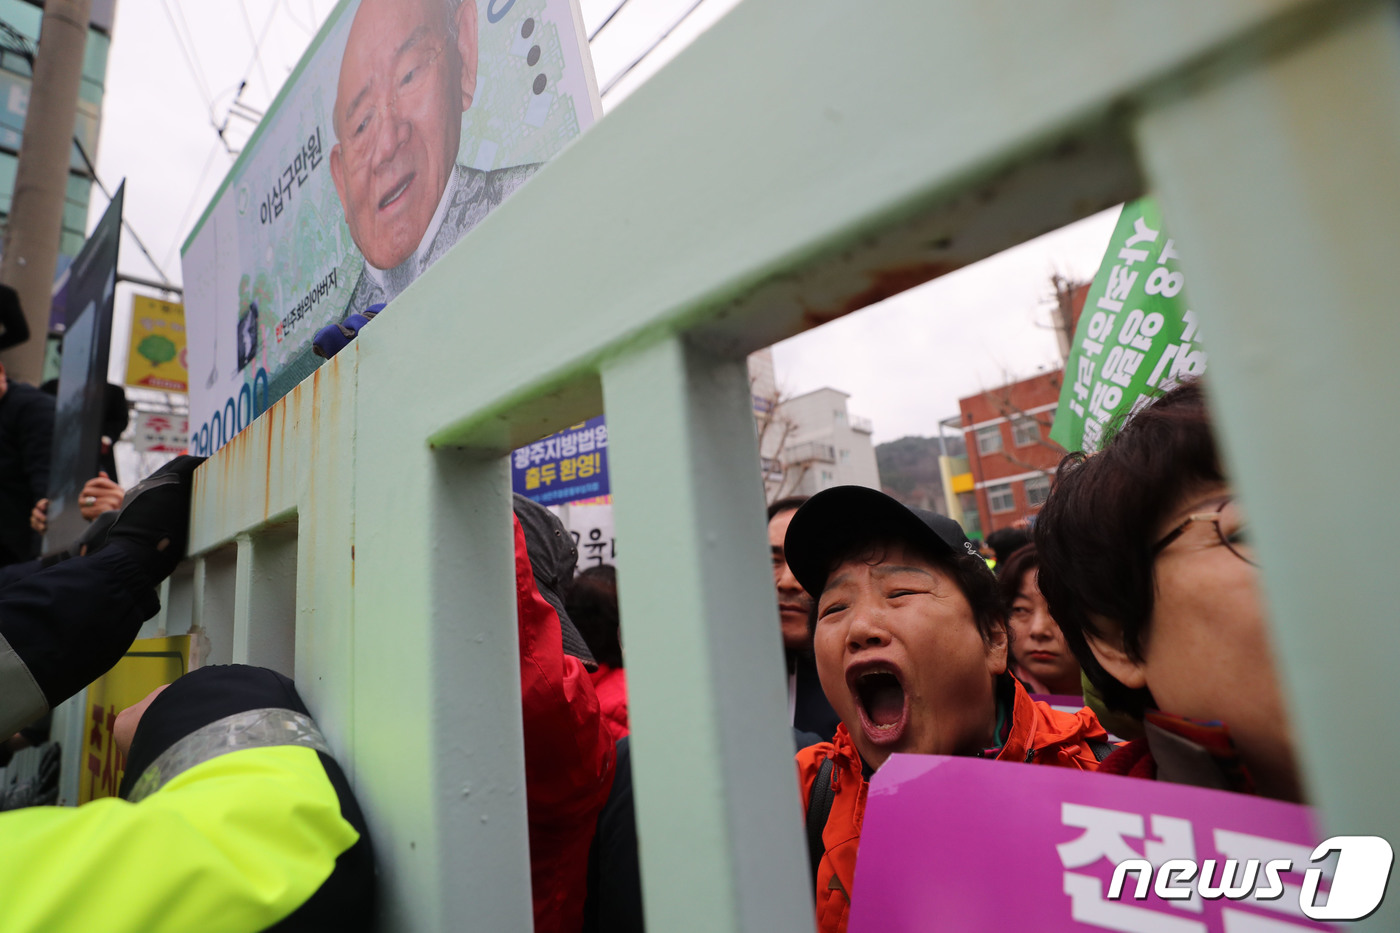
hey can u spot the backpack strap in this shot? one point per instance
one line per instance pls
(818, 809)
(1100, 750)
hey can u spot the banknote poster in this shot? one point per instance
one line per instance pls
(405, 123)
(1137, 336)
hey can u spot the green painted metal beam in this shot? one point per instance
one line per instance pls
(718, 816)
(1280, 185)
(795, 163)
(437, 680)
(295, 462)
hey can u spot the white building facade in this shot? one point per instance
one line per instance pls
(822, 445)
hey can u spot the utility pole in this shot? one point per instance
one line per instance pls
(41, 178)
(1063, 313)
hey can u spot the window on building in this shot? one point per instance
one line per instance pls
(23, 16)
(989, 439)
(1037, 489)
(74, 216)
(845, 456)
(1025, 431)
(15, 62)
(9, 165)
(1000, 498)
(94, 67)
(70, 244)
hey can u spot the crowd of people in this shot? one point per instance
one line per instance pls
(1137, 590)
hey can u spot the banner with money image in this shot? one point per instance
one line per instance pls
(404, 124)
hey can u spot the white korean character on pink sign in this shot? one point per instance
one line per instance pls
(1105, 837)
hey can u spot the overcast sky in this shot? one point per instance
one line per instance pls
(176, 65)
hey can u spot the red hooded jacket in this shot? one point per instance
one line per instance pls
(569, 757)
(610, 683)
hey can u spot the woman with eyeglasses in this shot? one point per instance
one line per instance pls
(1147, 567)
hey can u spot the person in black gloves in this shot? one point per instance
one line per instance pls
(65, 621)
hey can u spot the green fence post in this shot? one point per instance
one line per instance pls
(1280, 185)
(717, 807)
(439, 755)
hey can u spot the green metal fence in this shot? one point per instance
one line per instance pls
(800, 161)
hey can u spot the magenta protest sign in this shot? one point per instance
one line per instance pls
(963, 845)
(1064, 702)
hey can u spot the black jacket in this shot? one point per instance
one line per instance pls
(14, 329)
(26, 439)
(812, 712)
(614, 871)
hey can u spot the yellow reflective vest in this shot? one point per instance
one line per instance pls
(234, 844)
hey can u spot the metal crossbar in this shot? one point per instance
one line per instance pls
(798, 162)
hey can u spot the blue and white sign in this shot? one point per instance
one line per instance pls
(564, 467)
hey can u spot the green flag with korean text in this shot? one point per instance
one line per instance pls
(1136, 337)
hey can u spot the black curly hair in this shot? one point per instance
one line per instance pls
(1096, 531)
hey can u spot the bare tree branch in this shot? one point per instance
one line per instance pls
(773, 429)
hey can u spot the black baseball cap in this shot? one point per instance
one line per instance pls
(827, 523)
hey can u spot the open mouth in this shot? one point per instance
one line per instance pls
(884, 707)
(397, 191)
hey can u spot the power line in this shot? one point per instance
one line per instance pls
(257, 51)
(649, 49)
(193, 202)
(15, 41)
(185, 39)
(604, 24)
(180, 12)
(257, 57)
(125, 223)
(189, 57)
(309, 30)
(237, 108)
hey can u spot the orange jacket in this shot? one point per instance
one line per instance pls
(1038, 734)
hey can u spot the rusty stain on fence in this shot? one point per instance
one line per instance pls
(884, 283)
(235, 493)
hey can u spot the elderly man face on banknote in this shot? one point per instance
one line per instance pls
(408, 74)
